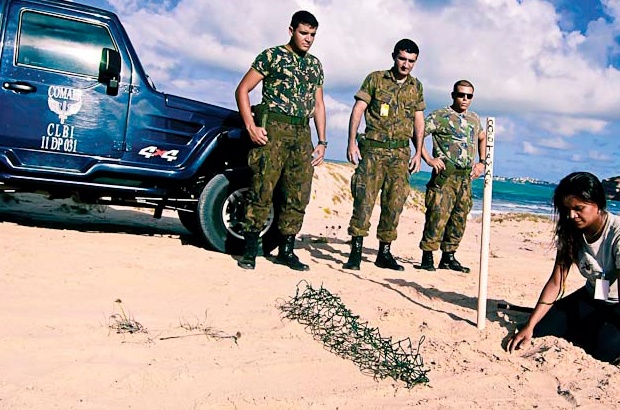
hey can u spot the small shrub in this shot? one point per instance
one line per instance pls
(124, 323)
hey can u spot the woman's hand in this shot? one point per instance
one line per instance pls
(522, 337)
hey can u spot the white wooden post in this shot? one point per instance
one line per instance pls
(486, 225)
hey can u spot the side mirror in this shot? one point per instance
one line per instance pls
(110, 70)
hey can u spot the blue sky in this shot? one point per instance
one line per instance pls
(548, 71)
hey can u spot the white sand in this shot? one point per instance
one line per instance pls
(64, 266)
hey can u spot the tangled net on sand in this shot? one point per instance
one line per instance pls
(341, 332)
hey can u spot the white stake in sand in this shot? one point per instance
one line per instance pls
(486, 224)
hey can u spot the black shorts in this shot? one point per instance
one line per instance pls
(591, 324)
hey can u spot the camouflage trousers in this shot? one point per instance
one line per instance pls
(446, 213)
(385, 170)
(284, 162)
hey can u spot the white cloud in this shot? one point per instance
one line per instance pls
(506, 129)
(569, 125)
(599, 156)
(555, 143)
(529, 148)
(213, 91)
(196, 31)
(577, 158)
(601, 44)
(338, 114)
(514, 52)
(536, 79)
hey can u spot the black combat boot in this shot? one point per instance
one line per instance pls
(286, 255)
(248, 260)
(385, 258)
(355, 257)
(449, 262)
(427, 261)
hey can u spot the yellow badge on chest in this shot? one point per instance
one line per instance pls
(385, 110)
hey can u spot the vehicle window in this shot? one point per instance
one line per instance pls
(57, 43)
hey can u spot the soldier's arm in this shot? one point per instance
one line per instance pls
(418, 132)
(478, 168)
(482, 145)
(426, 156)
(353, 152)
(320, 124)
(418, 140)
(435, 163)
(249, 81)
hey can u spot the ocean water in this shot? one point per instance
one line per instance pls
(510, 196)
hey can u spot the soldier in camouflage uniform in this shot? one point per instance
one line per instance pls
(393, 104)
(292, 94)
(457, 136)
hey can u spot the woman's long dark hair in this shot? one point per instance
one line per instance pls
(586, 187)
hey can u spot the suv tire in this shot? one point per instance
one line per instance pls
(221, 210)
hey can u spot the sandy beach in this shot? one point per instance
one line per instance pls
(107, 308)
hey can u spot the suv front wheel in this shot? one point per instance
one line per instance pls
(221, 210)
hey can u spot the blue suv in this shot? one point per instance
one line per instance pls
(80, 118)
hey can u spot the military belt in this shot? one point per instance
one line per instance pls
(384, 144)
(462, 171)
(287, 119)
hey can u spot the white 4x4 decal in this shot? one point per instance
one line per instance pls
(153, 151)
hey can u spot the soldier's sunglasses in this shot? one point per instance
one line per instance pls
(463, 95)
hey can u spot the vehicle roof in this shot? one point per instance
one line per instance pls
(69, 5)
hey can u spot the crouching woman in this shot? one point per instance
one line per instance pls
(589, 237)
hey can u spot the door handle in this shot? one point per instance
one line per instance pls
(19, 87)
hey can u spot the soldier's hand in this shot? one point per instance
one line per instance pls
(258, 135)
(477, 170)
(414, 163)
(437, 165)
(318, 155)
(353, 154)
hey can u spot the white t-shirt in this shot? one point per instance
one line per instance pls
(602, 258)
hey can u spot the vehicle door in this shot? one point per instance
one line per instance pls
(54, 111)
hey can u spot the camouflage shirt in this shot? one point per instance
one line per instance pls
(391, 106)
(455, 136)
(290, 82)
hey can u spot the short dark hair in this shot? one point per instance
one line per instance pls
(304, 17)
(405, 45)
(462, 83)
